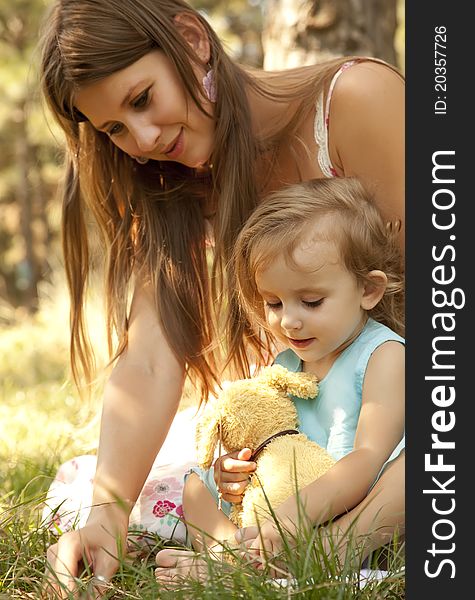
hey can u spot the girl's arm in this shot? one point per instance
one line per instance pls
(140, 401)
(366, 134)
(380, 428)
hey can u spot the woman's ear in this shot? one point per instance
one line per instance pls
(373, 289)
(195, 34)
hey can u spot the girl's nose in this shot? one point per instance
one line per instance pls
(290, 321)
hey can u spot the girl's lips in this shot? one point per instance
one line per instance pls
(301, 343)
(177, 147)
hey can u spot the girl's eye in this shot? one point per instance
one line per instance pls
(273, 305)
(141, 100)
(313, 304)
(115, 129)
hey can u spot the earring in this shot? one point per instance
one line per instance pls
(209, 85)
(142, 160)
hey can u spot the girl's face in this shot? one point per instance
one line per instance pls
(315, 308)
(146, 112)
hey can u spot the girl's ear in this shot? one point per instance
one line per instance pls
(195, 34)
(373, 289)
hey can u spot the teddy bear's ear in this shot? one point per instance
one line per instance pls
(302, 385)
(207, 429)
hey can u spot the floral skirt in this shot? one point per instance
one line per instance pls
(158, 509)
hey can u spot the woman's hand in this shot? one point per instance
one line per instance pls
(231, 474)
(97, 545)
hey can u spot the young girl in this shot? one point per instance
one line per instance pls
(319, 270)
(171, 145)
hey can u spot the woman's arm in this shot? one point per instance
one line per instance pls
(380, 428)
(140, 401)
(366, 134)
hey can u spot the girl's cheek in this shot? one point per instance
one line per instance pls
(272, 320)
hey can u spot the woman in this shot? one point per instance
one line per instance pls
(171, 145)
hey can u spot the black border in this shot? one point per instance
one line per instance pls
(426, 134)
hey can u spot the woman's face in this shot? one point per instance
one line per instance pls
(146, 112)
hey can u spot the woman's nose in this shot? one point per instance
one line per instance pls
(146, 137)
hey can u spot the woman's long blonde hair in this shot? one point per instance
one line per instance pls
(364, 241)
(151, 216)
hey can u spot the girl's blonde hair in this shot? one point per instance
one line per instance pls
(364, 241)
(151, 216)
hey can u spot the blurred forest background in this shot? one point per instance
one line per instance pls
(38, 404)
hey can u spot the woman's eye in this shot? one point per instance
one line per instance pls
(141, 100)
(115, 129)
(313, 303)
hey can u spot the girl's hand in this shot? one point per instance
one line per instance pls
(231, 474)
(261, 547)
(96, 544)
(268, 542)
(262, 544)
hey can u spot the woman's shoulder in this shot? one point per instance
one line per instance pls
(359, 73)
(366, 131)
(368, 83)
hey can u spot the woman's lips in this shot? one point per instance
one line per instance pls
(300, 343)
(177, 147)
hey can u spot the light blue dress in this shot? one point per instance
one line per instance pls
(331, 418)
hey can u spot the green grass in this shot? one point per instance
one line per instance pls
(23, 546)
(43, 423)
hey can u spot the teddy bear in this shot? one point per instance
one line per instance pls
(258, 413)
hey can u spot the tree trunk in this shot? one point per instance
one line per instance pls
(41, 203)
(28, 268)
(304, 32)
